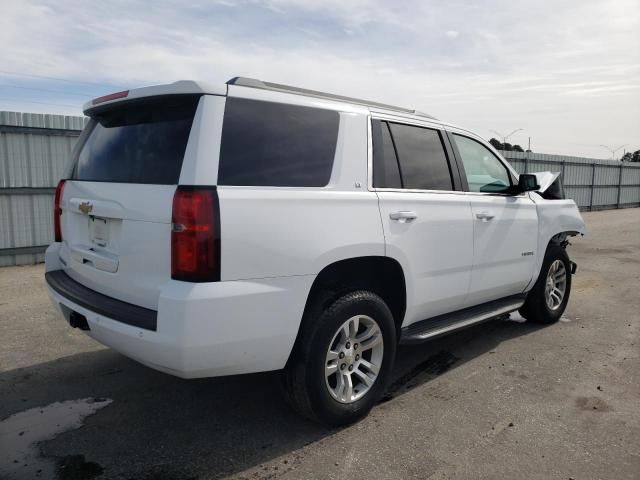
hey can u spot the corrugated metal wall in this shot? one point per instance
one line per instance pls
(593, 184)
(34, 150)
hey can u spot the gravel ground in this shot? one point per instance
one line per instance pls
(505, 399)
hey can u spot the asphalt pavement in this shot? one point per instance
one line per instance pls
(505, 399)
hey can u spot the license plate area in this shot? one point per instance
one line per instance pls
(99, 231)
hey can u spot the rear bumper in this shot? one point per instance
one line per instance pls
(101, 304)
(202, 329)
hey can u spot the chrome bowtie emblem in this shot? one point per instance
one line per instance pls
(85, 207)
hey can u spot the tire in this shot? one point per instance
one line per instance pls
(536, 307)
(307, 385)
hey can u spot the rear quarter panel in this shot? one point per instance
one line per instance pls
(275, 232)
(284, 231)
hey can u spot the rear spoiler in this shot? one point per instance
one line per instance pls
(177, 88)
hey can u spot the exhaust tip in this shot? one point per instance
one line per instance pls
(77, 320)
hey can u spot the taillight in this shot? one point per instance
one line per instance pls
(57, 212)
(195, 235)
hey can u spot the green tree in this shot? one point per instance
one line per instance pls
(496, 144)
(505, 146)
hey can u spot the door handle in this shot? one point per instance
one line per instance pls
(403, 216)
(484, 216)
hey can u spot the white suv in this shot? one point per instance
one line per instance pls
(214, 230)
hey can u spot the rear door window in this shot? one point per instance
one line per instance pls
(276, 144)
(137, 142)
(422, 160)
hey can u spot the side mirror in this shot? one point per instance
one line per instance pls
(527, 183)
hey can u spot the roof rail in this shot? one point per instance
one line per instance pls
(276, 87)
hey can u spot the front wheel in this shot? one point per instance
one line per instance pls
(343, 360)
(549, 296)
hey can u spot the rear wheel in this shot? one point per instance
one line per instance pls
(343, 359)
(548, 298)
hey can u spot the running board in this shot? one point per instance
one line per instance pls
(449, 322)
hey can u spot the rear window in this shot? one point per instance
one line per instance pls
(274, 144)
(141, 142)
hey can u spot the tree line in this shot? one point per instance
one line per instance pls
(631, 157)
(498, 145)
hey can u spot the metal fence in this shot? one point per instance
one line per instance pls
(35, 148)
(593, 184)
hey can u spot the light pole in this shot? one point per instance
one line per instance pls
(505, 137)
(612, 150)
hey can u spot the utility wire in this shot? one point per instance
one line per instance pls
(13, 100)
(75, 94)
(5, 72)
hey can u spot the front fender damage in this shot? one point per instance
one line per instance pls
(557, 221)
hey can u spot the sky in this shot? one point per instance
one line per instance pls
(566, 72)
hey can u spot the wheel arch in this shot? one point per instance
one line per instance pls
(381, 275)
(559, 238)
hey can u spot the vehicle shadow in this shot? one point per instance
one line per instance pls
(163, 427)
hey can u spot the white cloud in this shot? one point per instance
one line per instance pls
(452, 33)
